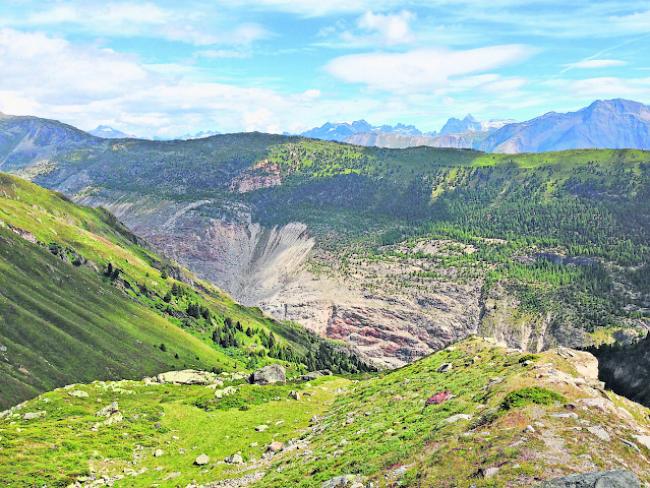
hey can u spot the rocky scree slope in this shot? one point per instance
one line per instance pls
(398, 252)
(82, 298)
(474, 414)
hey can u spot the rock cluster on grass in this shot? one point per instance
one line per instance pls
(186, 377)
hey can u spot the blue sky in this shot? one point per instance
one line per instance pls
(168, 68)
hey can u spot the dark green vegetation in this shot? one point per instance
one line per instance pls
(531, 395)
(376, 427)
(81, 298)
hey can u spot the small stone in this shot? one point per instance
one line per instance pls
(158, 453)
(202, 460)
(529, 429)
(78, 394)
(261, 428)
(294, 394)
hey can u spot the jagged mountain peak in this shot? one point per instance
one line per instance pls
(108, 132)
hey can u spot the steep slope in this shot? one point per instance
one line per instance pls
(603, 124)
(398, 252)
(473, 415)
(81, 298)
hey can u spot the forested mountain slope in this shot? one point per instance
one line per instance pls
(82, 298)
(396, 251)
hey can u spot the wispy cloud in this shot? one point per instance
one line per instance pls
(597, 63)
(423, 69)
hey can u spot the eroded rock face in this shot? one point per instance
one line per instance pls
(279, 269)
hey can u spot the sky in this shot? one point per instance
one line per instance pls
(167, 68)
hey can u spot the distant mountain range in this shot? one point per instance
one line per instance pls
(612, 124)
(107, 132)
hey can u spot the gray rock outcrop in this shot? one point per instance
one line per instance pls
(603, 479)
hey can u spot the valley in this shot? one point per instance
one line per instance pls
(397, 252)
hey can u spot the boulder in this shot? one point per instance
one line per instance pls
(489, 472)
(275, 446)
(234, 459)
(78, 394)
(599, 432)
(315, 374)
(228, 390)
(108, 410)
(202, 460)
(603, 479)
(268, 375)
(444, 368)
(643, 440)
(187, 377)
(34, 415)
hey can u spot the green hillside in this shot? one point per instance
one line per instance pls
(472, 415)
(81, 298)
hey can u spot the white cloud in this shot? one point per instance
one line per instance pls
(85, 86)
(422, 69)
(605, 87)
(637, 22)
(596, 63)
(390, 28)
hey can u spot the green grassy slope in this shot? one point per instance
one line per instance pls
(62, 324)
(374, 428)
(81, 298)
